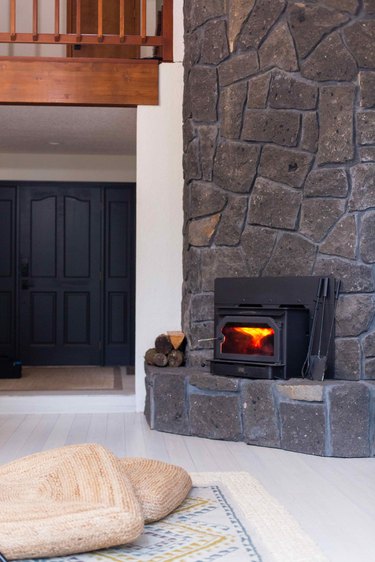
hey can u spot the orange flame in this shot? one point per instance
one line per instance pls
(257, 334)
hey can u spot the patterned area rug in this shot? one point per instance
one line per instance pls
(227, 517)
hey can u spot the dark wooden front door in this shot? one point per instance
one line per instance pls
(60, 275)
(70, 301)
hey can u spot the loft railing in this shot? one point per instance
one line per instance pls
(164, 41)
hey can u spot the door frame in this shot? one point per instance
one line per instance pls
(131, 188)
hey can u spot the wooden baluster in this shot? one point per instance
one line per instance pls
(167, 30)
(13, 34)
(122, 21)
(35, 20)
(57, 20)
(144, 20)
(100, 21)
(78, 20)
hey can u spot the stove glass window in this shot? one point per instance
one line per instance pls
(248, 339)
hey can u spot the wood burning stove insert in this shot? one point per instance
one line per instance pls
(274, 327)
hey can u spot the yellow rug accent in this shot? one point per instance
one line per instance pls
(64, 378)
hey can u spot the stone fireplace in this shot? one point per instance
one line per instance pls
(279, 163)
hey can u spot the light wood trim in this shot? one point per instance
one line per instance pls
(35, 19)
(100, 21)
(12, 15)
(57, 20)
(66, 81)
(144, 19)
(122, 21)
(71, 39)
(78, 20)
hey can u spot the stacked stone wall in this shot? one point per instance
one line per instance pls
(279, 157)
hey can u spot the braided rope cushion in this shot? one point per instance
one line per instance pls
(65, 501)
(159, 486)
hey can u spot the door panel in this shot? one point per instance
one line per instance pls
(60, 255)
(119, 276)
(7, 271)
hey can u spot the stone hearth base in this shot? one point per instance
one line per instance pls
(330, 418)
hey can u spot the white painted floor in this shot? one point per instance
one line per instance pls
(333, 499)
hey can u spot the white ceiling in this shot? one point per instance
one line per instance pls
(77, 130)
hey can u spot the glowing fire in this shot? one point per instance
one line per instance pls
(257, 334)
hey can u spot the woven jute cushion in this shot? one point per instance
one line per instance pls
(159, 486)
(66, 501)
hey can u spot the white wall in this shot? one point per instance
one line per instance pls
(67, 167)
(159, 210)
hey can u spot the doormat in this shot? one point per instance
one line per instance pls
(228, 516)
(64, 378)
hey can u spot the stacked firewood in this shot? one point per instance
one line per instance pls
(168, 350)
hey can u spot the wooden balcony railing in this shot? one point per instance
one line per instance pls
(104, 64)
(164, 41)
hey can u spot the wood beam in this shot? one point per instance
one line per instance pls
(105, 82)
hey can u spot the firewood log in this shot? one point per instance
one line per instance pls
(163, 344)
(160, 360)
(175, 358)
(149, 356)
(176, 339)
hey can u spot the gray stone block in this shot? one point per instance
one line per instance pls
(262, 18)
(369, 7)
(293, 255)
(192, 165)
(235, 165)
(203, 90)
(201, 331)
(205, 381)
(197, 12)
(354, 314)
(265, 208)
(303, 427)
(192, 49)
(319, 216)
(200, 359)
(215, 417)
(237, 13)
(278, 50)
(355, 277)
(301, 390)
(170, 411)
(237, 68)
(350, 6)
(342, 240)
(367, 86)
(367, 153)
(214, 43)
(360, 38)
(201, 231)
(231, 107)
(347, 359)
(363, 187)
(232, 221)
(271, 125)
(366, 127)
(260, 424)
(349, 420)
(309, 23)
(284, 165)
(149, 383)
(207, 144)
(367, 244)
(310, 132)
(326, 183)
(205, 199)
(369, 345)
(331, 60)
(336, 124)
(221, 262)
(202, 307)
(192, 270)
(258, 243)
(288, 92)
(370, 368)
(258, 91)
